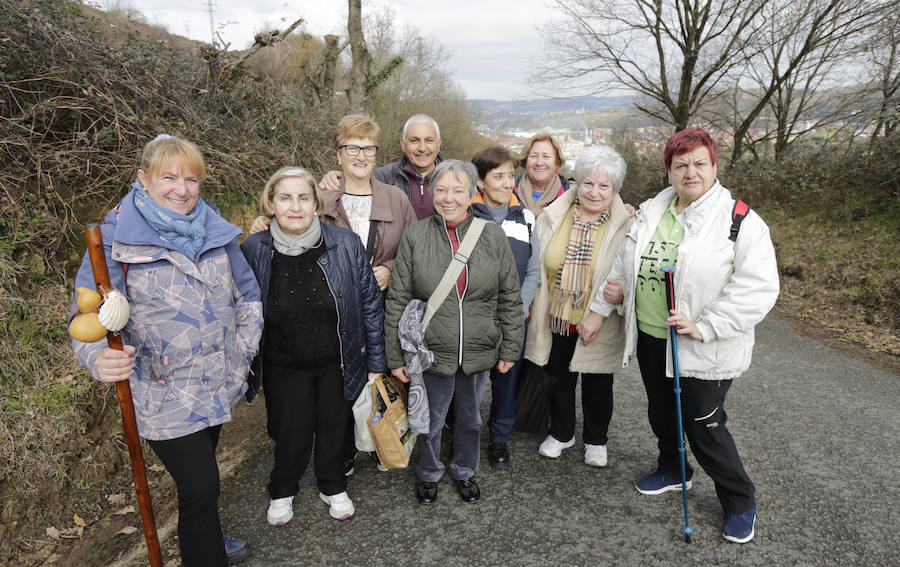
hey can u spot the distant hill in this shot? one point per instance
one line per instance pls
(547, 105)
(497, 117)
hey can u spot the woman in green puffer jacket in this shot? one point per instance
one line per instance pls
(478, 326)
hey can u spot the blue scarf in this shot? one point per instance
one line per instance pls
(185, 232)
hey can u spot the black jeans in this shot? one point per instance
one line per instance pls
(596, 395)
(306, 408)
(191, 460)
(703, 418)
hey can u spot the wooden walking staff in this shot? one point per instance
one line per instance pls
(123, 390)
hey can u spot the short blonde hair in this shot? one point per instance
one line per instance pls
(526, 149)
(268, 192)
(165, 150)
(356, 126)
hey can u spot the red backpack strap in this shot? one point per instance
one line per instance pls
(738, 213)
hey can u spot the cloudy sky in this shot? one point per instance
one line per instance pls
(492, 43)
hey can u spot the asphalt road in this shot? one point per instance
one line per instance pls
(818, 432)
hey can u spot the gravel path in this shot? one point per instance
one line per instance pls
(818, 432)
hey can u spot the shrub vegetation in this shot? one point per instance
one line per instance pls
(77, 104)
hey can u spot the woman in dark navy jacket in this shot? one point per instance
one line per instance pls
(323, 338)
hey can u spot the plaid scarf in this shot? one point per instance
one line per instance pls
(571, 289)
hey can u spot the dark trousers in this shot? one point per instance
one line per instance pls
(503, 401)
(191, 460)
(703, 418)
(464, 390)
(306, 409)
(596, 396)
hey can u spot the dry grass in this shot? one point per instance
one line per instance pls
(834, 213)
(842, 277)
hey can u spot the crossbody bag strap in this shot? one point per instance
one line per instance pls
(370, 244)
(460, 259)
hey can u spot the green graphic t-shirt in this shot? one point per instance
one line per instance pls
(650, 295)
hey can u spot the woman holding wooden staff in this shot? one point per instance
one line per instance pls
(194, 326)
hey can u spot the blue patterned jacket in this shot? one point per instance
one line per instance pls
(195, 325)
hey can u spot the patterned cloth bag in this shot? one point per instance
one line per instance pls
(418, 359)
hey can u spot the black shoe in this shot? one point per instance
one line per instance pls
(498, 455)
(236, 550)
(426, 492)
(468, 490)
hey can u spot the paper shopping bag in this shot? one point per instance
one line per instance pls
(389, 423)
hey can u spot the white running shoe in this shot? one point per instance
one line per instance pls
(341, 507)
(281, 510)
(552, 448)
(595, 455)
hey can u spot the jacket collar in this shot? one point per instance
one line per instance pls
(558, 209)
(710, 196)
(513, 200)
(481, 209)
(265, 237)
(131, 228)
(410, 169)
(656, 207)
(439, 220)
(381, 202)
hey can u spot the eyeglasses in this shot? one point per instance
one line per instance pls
(353, 150)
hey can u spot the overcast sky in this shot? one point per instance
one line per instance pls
(492, 43)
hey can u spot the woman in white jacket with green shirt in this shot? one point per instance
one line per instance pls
(723, 288)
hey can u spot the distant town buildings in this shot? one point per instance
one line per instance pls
(572, 141)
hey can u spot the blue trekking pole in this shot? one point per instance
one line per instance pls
(669, 272)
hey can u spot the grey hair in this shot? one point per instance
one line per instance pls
(456, 167)
(601, 158)
(268, 192)
(416, 118)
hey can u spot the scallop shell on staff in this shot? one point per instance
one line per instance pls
(115, 311)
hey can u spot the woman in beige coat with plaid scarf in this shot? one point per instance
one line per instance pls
(579, 235)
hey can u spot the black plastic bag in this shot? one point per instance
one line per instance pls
(533, 399)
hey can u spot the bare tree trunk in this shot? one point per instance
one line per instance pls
(329, 64)
(361, 69)
(890, 82)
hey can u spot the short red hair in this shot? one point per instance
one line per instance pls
(687, 141)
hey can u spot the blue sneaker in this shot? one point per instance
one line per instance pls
(739, 528)
(235, 549)
(657, 483)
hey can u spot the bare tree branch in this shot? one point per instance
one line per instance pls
(261, 40)
(674, 52)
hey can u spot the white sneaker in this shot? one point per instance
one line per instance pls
(341, 507)
(595, 455)
(553, 448)
(281, 510)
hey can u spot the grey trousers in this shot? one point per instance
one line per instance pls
(467, 390)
